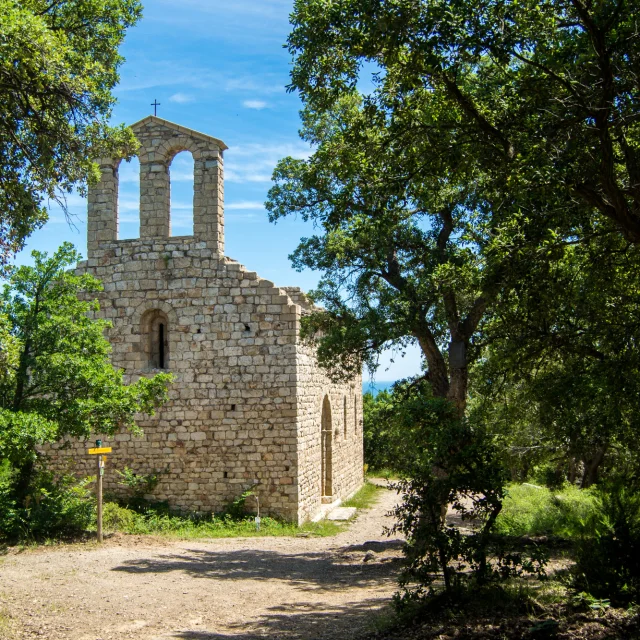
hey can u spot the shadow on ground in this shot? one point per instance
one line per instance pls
(308, 621)
(308, 571)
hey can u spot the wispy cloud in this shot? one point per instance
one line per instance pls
(255, 162)
(244, 206)
(168, 73)
(181, 98)
(249, 21)
(255, 104)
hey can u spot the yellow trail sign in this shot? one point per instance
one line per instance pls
(94, 452)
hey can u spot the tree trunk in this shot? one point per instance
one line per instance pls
(459, 375)
(23, 481)
(591, 467)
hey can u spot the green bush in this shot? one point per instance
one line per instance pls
(536, 511)
(117, 518)
(379, 432)
(608, 562)
(53, 508)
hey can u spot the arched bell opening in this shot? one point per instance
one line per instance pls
(128, 220)
(181, 181)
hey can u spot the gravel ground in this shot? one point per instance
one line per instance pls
(240, 589)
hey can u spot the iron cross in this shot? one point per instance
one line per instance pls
(155, 104)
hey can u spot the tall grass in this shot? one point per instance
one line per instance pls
(536, 511)
(123, 520)
(365, 497)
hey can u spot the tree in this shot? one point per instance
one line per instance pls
(59, 380)
(58, 64)
(416, 244)
(562, 373)
(543, 95)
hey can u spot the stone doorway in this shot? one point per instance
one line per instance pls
(327, 452)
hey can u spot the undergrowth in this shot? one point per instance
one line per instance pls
(189, 526)
(537, 511)
(365, 497)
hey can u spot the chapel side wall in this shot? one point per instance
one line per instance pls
(347, 453)
(207, 451)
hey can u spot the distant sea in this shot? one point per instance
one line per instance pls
(377, 387)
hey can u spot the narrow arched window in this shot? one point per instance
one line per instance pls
(161, 349)
(355, 415)
(344, 420)
(155, 330)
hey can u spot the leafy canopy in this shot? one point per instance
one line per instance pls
(58, 63)
(543, 95)
(416, 234)
(562, 373)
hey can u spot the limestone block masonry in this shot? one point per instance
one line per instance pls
(249, 403)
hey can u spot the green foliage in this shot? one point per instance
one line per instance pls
(608, 561)
(139, 484)
(59, 63)
(197, 525)
(445, 460)
(584, 600)
(54, 509)
(538, 97)
(377, 431)
(561, 376)
(61, 381)
(537, 511)
(237, 508)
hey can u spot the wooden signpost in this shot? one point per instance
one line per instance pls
(101, 459)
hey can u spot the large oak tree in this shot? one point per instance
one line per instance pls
(58, 65)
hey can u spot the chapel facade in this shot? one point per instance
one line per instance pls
(249, 404)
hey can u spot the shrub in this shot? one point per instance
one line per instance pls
(236, 510)
(378, 431)
(53, 509)
(608, 562)
(117, 518)
(446, 460)
(537, 511)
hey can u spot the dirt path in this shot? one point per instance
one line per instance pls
(236, 589)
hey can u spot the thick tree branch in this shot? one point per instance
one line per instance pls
(472, 111)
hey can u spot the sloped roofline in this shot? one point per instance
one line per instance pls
(180, 129)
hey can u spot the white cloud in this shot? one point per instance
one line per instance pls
(168, 73)
(254, 104)
(181, 98)
(244, 206)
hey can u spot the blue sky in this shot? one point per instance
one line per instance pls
(219, 68)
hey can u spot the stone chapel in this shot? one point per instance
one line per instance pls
(249, 404)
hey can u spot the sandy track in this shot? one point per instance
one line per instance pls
(237, 589)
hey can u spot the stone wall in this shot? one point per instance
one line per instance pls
(232, 349)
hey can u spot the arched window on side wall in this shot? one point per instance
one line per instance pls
(155, 333)
(181, 183)
(344, 418)
(129, 199)
(355, 415)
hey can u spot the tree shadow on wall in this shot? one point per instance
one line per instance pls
(308, 571)
(303, 621)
